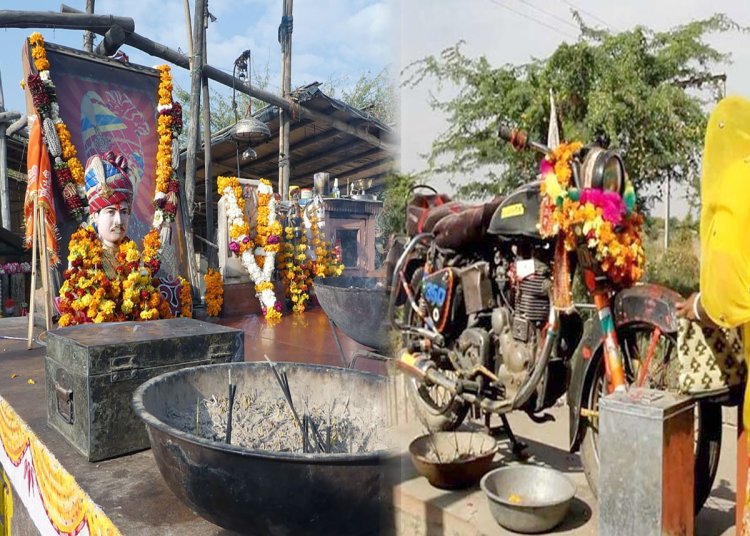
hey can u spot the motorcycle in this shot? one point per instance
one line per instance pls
(472, 299)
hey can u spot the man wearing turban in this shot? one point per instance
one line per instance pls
(110, 195)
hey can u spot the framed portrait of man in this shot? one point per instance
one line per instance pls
(110, 105)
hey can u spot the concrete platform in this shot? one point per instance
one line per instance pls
(423, 510)
(131, 491)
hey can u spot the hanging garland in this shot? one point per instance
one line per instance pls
(186, 299)
(296, 267)
(258, 262)
(167, 191)
(605, 221)
(214, 292)
(68, 170)
(326, 263)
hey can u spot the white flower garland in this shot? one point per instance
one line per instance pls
(258, 275)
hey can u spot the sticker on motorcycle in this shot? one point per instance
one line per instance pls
(437, 289)
(525, 268)
(434, 294)
(512, 211)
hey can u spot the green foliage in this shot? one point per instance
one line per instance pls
(222, 110)
(375, 95)
(679, 266)
(392, 219)
(636, 88)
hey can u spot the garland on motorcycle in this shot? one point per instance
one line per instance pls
(481, 296)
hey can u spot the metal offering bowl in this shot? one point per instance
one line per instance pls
(528, 498)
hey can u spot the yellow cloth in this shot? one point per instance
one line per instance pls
(725, 214)
(725, 230)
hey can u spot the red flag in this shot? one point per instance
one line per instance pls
(39, 186)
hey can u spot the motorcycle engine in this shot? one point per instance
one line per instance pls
(517, 325)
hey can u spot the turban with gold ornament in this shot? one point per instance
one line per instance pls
(107, 181)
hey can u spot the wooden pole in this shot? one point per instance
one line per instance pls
(189, 28)
(206, 115)
(4, 190)
(34, 245)
(160, 51)
(44, 261)
(286, 89)
(88, 36)
(189, 244)
(67, 21)
(195, 106)
(113, 39)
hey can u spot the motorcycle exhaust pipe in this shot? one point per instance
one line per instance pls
(424, 369)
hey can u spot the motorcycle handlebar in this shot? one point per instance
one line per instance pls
(520, 140)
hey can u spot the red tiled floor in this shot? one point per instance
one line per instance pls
(306, 338)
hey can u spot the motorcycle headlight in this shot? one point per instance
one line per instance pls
(603, 170)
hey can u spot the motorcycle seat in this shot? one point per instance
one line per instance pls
(422, 208)
(466, 227)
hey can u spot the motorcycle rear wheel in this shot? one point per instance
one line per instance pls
(708, 422)
(436, 408)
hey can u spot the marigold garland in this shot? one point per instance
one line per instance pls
(326, 263)
(67, 168)
(88, 295)
(267, 239)
(186, 299)
(605, 221)
(214, 292)
(296, 266)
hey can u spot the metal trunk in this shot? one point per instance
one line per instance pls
(92, 371)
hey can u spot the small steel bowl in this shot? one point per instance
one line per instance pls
(528, 498)
(463, 457)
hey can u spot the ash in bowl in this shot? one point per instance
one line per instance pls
(267, 423)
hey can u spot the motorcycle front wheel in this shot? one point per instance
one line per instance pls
(438, 409)
(635, 341)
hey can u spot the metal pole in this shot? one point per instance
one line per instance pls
(88, 36)
(286, 88)
(4, 191)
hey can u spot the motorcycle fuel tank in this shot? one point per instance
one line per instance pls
(518, 214)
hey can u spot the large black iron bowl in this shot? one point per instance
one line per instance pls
(263, 492)
(357, 305)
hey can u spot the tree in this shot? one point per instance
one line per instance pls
(374, 94)
(222, 109)
(644, 91)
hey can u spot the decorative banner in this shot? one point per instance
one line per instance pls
(54, 501)
(107, 106)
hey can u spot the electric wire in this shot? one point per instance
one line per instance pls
(588, 13)
(526, 16)
(550, 14)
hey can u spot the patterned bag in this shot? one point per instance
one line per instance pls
(711, 360)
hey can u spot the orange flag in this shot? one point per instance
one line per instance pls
(39, 186)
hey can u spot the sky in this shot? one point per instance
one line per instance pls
(514, 31)
(332, 41)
